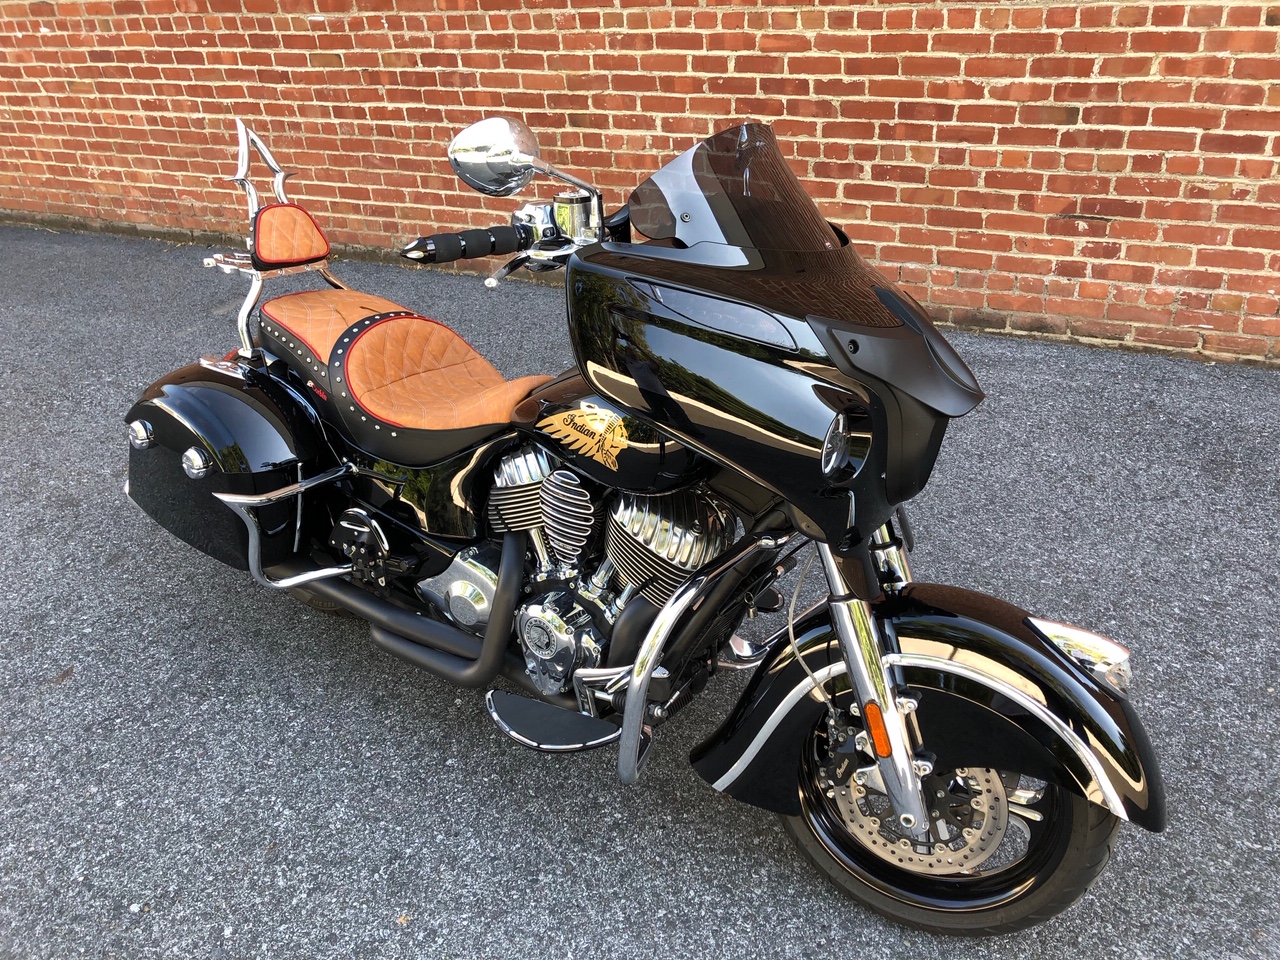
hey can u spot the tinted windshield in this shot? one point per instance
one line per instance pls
(734, 189)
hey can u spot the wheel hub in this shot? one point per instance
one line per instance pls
(968, 813)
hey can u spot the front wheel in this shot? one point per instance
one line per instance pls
(1005, 851)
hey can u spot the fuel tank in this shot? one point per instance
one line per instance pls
(604, 441)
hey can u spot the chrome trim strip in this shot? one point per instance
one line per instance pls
(798, 693)
(1109, 797)
(633, 717)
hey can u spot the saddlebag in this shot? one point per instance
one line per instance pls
(219, 426)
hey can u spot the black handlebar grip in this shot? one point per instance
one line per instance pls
(469, 244)
(446, 247)
(476, 243)
(507, 240)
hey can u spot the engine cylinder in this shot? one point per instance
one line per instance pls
(656, 542)
(515, 502)
(569, 514)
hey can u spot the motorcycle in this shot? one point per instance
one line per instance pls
(747, 391)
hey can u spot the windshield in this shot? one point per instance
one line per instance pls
(735, 189)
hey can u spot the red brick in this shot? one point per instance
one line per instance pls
(1261, 239)
(1166, 336)
(1195, 66)
(1246, 68)
(1099, 329)
(1237, 346)
(1241, 41)
(1234, 94)
(1264, 120)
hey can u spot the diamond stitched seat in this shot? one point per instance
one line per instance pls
(318, 317)
(404, 370)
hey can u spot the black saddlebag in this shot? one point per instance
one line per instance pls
(244, 430)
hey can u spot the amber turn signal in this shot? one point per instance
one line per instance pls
(874, 720)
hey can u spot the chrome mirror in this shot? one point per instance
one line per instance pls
(497, 156)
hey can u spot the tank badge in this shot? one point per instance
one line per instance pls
(600, 434)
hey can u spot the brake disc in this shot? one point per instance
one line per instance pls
(968, 812)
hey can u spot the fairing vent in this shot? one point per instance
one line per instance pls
(656, 542)
(515, 502)
(569, 514)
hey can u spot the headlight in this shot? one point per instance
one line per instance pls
(844, 449)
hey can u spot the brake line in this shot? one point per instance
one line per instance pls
(795, 647)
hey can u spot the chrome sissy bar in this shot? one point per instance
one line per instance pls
(242, 262)
(250, 139)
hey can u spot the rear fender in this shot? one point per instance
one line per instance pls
(992, 692)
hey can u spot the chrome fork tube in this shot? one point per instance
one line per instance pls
(891, 558)
(864, 654)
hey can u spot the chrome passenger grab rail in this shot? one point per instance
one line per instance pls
(243, 505)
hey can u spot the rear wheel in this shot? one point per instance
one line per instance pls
(317, 602)
(1005, 851)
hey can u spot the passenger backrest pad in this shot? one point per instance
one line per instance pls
(284, 235)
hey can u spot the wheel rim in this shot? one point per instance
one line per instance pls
(1024, 855)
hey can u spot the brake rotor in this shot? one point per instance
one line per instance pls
(968, 813)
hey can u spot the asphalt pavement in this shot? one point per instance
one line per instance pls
(193, 766)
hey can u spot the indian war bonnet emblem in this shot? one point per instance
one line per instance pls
(598, 433)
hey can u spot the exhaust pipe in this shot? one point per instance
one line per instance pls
(439, 648)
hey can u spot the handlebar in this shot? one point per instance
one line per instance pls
(469, 244)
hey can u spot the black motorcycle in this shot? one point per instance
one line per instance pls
(748, 393)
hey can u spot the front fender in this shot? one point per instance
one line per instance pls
(993, 692)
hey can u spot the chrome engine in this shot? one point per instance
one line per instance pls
(594, 549)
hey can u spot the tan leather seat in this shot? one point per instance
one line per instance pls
(402, 369)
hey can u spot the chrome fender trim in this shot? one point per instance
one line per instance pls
(991, 687)
(1100, 791)
(798, 693)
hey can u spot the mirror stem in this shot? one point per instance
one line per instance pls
(543, 167)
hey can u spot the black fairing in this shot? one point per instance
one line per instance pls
(740, 331)
(752, 403)
(962, 722)
(255, 429)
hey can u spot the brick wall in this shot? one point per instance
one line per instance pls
(1104, 171)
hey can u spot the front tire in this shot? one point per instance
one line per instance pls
(1045, 845)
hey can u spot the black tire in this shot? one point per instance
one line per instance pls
(1065, 853)
(317, 602)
